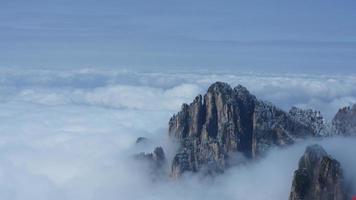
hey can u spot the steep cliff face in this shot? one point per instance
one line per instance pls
(227, 121)
(344, 122)
(319, 177)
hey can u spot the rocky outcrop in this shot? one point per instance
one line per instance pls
(141, 140)
(318, 177)
(156, 160)
(344, 122)
(227, 121)
(311, 118)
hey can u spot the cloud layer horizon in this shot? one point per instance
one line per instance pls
(70, 134)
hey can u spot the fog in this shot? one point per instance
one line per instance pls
(70, 134)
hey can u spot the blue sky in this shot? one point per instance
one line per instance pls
(265, 36)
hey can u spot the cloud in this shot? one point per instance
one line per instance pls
(128, 89)
(70, 134)
(141, 97)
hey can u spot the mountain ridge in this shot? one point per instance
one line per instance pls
(230, 120)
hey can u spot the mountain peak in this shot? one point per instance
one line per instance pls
(318, 177)
(227, 121)
(344, 122)
(220, 87)
(241, 89)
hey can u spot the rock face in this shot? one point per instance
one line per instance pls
(227, 121)
(311, 118)
(344, 122)
(319, 177)
(156, 160)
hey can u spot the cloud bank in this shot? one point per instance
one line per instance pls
(70, 134)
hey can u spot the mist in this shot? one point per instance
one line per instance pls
(70, 134)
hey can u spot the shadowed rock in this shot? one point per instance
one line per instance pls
(156, 160)
(311, 118)
(344, 122)
(141, 140)
(318, 177)
(226, 121)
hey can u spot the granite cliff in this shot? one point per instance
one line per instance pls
(226, 121)
(318, 177)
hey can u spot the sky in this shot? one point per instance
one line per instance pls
(229, 35)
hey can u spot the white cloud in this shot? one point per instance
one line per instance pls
(70, 134)
(138, 97)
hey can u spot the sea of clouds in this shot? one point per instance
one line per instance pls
(70, 134)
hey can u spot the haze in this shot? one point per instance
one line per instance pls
(261, 36)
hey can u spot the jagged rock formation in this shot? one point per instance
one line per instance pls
(310, 118)
(156, 160)
(227, 121)
(141, 140)
(344, 122)
(319, 177)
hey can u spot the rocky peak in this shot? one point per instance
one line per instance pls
(225, 122)
(313, 154)
(155, 160)
(242, 92)
(344, 122)
(318, 177)
(220, 88)
(158, 154)
(310, 118)
(141, 140)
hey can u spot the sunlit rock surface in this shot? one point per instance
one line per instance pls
(227, 121)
